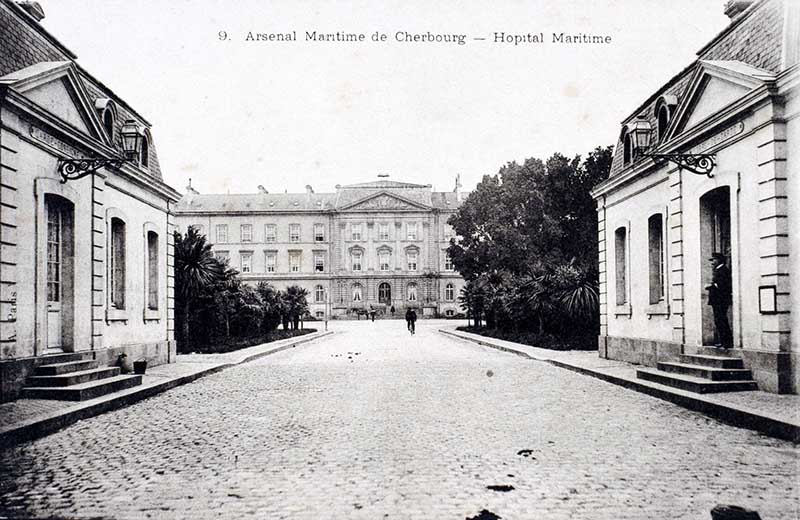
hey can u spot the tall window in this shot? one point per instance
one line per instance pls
(656, 250)
(246, 262)
(152, 270)
(247, 232)
(620, 261)
(270, 262)
(270, 233)
(383, 231)
(222, 233)
(411, 260)
(356, 260)
(383, 259)
(319, 262)
(412, 292)
(449, 292)
(54, 256)
(319, 294)
(294, 261)
(448, 262)
(355, 231)
(319, 232)
(117, 263)
(294, 233)
(385, 293)
(357, 293)
(411, 231)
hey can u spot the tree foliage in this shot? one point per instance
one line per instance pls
(527, 245)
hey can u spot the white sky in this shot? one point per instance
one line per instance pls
(232, 115)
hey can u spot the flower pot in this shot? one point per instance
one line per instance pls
(139, 367)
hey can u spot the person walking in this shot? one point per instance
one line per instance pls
(411, 318)
(720, 295)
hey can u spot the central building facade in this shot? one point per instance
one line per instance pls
(378, 246)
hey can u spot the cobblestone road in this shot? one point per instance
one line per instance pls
(373, 423)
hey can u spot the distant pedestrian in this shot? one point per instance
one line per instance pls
(372, 314)
(719, 298)
(392, 311)
(411, 318)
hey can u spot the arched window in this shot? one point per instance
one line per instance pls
(108, 123)
(145, 153)
(412, 292)
(319, 294)
(663, 121)
(152, 270)
(449, 292)
(357, 293)
(385, 293)
(627, 148)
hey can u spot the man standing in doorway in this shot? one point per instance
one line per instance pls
(719, 298)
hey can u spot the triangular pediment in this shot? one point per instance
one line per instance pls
(384, 202)
(57, 88)
(714, 86)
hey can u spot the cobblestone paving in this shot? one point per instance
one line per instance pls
(373, 423)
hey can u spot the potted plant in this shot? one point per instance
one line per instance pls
(140, 366)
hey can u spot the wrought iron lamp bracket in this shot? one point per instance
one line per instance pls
(697, 163)
(74, 169)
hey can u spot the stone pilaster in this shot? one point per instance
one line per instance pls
(602, 266)
(170, 277)
(98, 259)
(676, 258)
(9, 164)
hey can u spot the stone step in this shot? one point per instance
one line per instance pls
(708, 350)
(65, 367)
(712, 361)
(83, 391)
(66, 357)
(706, 372)
(694, 384)
(73, 378)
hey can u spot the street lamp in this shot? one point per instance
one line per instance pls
(73, 169)
(641, 136)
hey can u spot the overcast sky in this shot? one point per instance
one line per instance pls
(234, 114)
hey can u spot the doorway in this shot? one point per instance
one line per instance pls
(59, 260)
(385, 293)
(715, 237)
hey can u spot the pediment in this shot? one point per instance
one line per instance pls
(714, 86)
(57, 88)
(384, 202)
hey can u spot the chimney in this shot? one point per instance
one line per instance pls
(309, 189)
(457, 189)
(735, 7)
(190, 193)
(262, 189)
(32, 8)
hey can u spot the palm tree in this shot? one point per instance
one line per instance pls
(296, 304)
(196, 270)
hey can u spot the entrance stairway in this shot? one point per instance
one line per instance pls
(73, 377)
(710, 370)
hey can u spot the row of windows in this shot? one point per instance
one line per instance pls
(656, 263)
(118, 266)
(384, 293)
(356, 233)
(295, 261)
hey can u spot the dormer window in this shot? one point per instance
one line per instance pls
(108, 115)
(627, 147)
(663, 121)
(145, 154)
